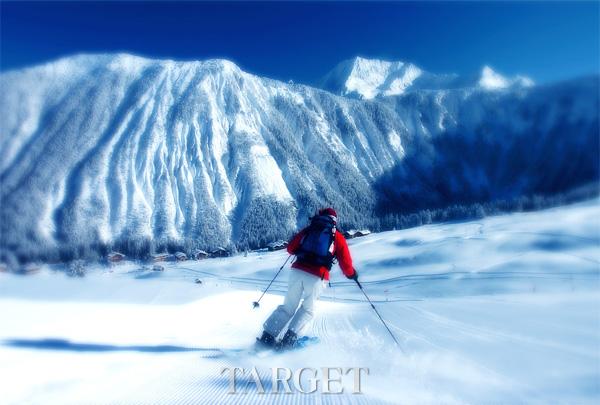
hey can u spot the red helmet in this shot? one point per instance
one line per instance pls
(329, 211)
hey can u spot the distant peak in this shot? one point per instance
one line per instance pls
(359, 60)
(368, 78)
(361, 63)
(492, 80)
(365, 78)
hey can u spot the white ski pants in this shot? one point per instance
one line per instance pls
(301, 286)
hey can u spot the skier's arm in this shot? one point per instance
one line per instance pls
(294, 244)
(342, 253)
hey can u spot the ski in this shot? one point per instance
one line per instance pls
(260, 350)
(301, 343)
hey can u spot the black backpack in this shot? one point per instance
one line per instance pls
(315, 247)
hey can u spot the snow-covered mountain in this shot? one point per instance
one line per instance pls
(370, 78)
(98, 149)
(492, 80)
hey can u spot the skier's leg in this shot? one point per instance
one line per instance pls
(312, 286)
(281, 316)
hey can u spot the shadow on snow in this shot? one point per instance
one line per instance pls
(63, 344)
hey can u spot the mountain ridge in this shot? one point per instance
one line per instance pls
(109, 148)
(373, 78)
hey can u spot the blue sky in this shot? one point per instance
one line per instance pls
(302, 41)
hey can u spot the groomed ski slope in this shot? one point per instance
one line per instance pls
(501, 310)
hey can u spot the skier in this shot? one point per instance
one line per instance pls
(315, 248)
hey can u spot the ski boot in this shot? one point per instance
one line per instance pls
(267, 341)
(288, 341)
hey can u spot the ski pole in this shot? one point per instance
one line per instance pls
(256, 304)
(377, 312)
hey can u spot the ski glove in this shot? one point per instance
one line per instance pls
(354, 276)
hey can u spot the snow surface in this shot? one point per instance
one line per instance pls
(501, 310)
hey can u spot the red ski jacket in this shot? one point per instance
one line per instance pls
(340, 251)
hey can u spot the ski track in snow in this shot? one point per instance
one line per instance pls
(502, 310)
